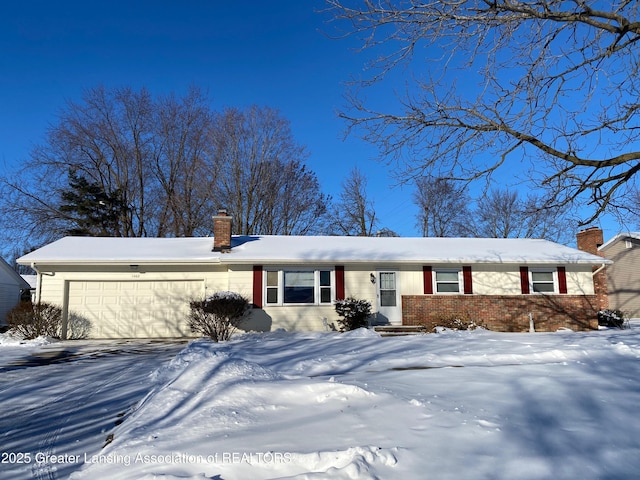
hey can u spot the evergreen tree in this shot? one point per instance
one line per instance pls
(94, 211)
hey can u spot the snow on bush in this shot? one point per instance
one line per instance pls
(611, 318)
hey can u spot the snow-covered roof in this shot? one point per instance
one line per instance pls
(32, 280)
(618, 237)
(9, 275)
(102, 250)
(315, 249)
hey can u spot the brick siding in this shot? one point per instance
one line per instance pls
(504, 313)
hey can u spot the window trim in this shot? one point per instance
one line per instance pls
(317, 287)
(435, 282)
(554, 273)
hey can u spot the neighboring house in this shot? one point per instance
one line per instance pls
(141, 287)
(32, 280)
(623, 277)
(11, 288)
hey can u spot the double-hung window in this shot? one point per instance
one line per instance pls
(447, 281)
(298, 286)
(543, 281)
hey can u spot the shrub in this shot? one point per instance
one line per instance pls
(355, 313)
(78, 327)
(456, 322)
(35, 320)
(611, 318)
(218, 316)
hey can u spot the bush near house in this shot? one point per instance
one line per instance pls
(611, 318)
(35, 320)
(218, 316)
(456, 322)
(355, 313)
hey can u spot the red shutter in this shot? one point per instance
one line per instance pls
(562, 280)
(340, 282)
(466, 278)
(257, 286)
(427, 280)
(524, 280)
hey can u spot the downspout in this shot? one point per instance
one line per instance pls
(38, 283)
(602, 298)
(65, 298)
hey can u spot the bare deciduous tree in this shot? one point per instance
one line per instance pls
(354, 213)
(184, 167)
(493, 82)
(443, 208)
(171, 162)
(629, 214)
(262, 179)
(106, 139)
(502, 213)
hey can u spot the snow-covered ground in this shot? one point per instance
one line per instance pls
(68, 400)
(454, 405)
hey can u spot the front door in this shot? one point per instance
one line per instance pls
(388, 293)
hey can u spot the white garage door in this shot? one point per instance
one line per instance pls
(135, 309)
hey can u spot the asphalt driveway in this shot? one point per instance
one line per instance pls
(60, 402)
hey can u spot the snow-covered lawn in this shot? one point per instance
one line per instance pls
(454, 405)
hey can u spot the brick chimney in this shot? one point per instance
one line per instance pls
(589, 240)
(222, 232)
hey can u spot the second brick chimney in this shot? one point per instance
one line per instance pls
(222, 232)
(589, 240)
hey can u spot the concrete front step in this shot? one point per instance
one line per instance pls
(388, 330)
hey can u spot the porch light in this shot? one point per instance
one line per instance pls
(372, 277)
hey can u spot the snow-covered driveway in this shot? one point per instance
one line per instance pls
(61, 401)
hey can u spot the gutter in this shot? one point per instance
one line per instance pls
(121, 262)
(390, 261)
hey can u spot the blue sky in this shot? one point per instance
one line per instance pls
(254, 52)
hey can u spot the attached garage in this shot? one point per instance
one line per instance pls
(131, 309)
(126, 287)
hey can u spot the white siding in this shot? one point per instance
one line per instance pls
(240, 280)
(357, 283)
(299, 317)
(496, 279)
(579, 281)
(52, 289)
